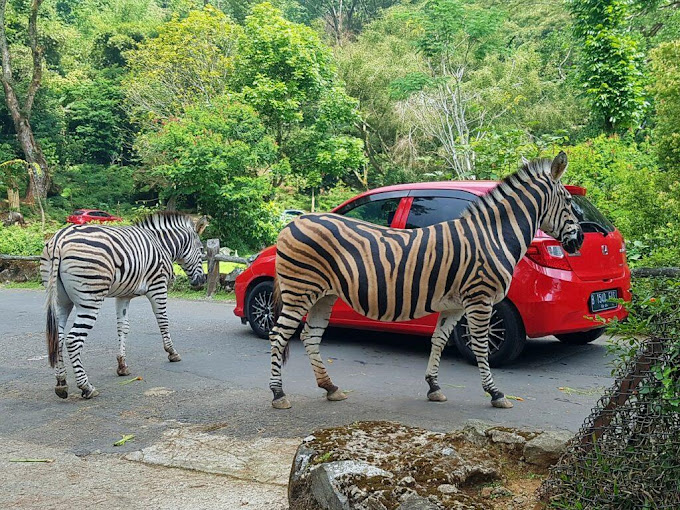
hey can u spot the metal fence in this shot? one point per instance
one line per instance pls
(627, 453)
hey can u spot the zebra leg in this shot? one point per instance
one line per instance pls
(317, 321)
(159, 302)
(479, 319)
(447, 321)
(123, 326)
(287, 323)
(86, 316)
(64, 307)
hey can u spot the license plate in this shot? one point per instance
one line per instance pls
(600, 301)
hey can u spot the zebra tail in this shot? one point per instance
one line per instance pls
(52, 326)
(277, 306)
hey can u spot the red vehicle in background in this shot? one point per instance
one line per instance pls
(82, 216)
(552, 292)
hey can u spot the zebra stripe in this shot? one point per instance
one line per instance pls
(457, 267)
(82, 265)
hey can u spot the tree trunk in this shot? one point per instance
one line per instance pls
(21, 114)
(13, 199)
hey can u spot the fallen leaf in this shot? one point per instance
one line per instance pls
(139, 378)
(124, 439)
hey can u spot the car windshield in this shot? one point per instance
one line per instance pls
(77, 213)
(590, 218)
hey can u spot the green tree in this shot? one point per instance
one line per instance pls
(219, 156)
(285, 72)
(191, 60)
(666, 89)
(611, 63)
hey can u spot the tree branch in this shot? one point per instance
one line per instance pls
(36, 52)
(6, 75)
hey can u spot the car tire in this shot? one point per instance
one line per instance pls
(260, 308)
(506, 340)
(582, 337)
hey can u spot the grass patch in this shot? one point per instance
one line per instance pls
(198, 295)
(34, 284)
(225, 268)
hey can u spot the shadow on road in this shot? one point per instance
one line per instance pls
(537, 352)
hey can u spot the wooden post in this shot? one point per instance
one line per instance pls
(212, 249)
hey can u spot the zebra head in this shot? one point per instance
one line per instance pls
(190, 256)
(559, 220)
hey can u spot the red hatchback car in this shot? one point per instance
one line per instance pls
(82, 216)
(552, 293)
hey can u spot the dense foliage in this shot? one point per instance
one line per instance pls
(240, 109)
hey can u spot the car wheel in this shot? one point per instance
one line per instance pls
(581, 338)
(260, 308)
(506, 336)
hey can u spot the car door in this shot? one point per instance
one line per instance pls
(384, 209)
(421, 208)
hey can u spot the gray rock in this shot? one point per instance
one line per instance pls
(506, 437)
(545, 449)
(474, 431)
(417, 503)
(408, 481)
(447, 488)
(501, 492)
(319, 486)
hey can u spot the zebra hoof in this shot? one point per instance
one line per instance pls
(61, 391)
(437, 396)
(336, 396)
(124, 370)
(174, 357)
(502, 403)
(281, 403)
(89, 393)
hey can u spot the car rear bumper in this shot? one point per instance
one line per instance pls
(552, 301)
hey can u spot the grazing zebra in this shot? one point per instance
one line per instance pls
(82, 265)
(457, 267)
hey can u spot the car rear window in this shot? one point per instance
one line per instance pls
(426, 211)
(77, 213)
(589, 216)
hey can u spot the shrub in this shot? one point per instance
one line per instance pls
(16, 240)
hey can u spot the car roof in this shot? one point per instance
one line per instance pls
(476, 187)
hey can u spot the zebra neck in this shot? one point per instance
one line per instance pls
(170, 242)
(510, 216)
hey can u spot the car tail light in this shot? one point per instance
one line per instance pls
(548, 255)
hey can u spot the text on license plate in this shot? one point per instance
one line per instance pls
(601, 300)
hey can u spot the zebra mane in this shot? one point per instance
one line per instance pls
(528, 172)
(165, 218)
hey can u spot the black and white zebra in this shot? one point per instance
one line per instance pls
(82, 265)
(454, 268)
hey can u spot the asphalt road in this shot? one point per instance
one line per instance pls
(222, 381)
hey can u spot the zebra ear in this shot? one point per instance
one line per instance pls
(558, 166)
(525, 161)
(201, 224)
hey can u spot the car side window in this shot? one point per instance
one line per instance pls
(379, 212)
(426, 211)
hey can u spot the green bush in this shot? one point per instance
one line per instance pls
(16, 240)
(625, 183)
(654, 310)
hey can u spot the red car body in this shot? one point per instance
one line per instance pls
(552, 294)
(82, 216)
